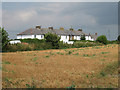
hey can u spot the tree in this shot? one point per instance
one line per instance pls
(102, 39)
(4, 39)
(54, 39)
(83, 37)
(118, 38)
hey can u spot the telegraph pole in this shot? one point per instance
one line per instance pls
(109, 34)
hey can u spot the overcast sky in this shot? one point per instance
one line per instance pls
(92, 17)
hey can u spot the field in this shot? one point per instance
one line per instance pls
(89, 67)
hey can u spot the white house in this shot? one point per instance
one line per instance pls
(66, 35)
(15, 41)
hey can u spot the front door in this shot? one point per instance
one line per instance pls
(71, 37)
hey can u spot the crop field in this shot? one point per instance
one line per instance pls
(89, 67)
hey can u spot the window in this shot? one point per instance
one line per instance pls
(41, 36)
(34, 36)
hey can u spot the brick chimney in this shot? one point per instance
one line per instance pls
(89, 34)
(38, 27)
(71, 29)
(96, 34)
(51, 28)
(61, 28)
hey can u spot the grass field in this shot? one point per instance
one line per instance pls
(90, 67)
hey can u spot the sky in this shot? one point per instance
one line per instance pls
(92, 17)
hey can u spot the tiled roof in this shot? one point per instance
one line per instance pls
(35, 31)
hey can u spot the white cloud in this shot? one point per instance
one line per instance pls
(26, 15)
(12, 19)
(52, 14)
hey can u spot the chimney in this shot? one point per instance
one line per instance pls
(71, 29)
(96, 34)
(80, 30)
(89, 34)
(61, 28)
(51, 28)
(38, 27)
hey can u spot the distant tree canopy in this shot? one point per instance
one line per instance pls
(53, 38)
(4, 39)
(102, 39)
(83, 37)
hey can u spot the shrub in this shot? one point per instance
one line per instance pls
(54, 39)
(112, 42)
(35, 41)
(83, 37)
(20, 47)
(64, 45)
(102, 39)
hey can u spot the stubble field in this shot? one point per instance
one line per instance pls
(89, 67)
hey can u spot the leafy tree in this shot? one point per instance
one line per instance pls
(102, 39)
(83, 37)
(4, 39)
(118, 38)
(54, 39)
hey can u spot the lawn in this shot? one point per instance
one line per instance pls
(90, 67)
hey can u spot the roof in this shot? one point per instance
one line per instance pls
(94, 37)
(36, 31)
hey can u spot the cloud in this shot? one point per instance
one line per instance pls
(60, 0)
(0, 14)
(92, 17)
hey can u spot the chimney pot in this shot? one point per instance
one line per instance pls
(38, 27)
(61, 28)
(71, 29)
(51, 28)
(95, 33)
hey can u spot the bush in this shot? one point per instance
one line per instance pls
(20, 47)
(54, 39)
(35, 41)
(112, 42)
(64, 45)
(102, 39)
(83, 37)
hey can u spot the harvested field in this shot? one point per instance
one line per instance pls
(90, 67)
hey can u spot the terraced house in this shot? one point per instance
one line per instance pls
(66, 35)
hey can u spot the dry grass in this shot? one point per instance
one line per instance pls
(78, 67)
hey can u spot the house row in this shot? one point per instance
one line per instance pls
(66, 35)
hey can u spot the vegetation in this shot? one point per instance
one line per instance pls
(54, 39)
(4, 39)
(83, 37)
(81, 68)
(118, 38)
(102, 39)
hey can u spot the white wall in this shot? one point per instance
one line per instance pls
(25, 36)
(89, 38)
(40, 36)
(15, 41)
(78, 37)
(64, 38)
